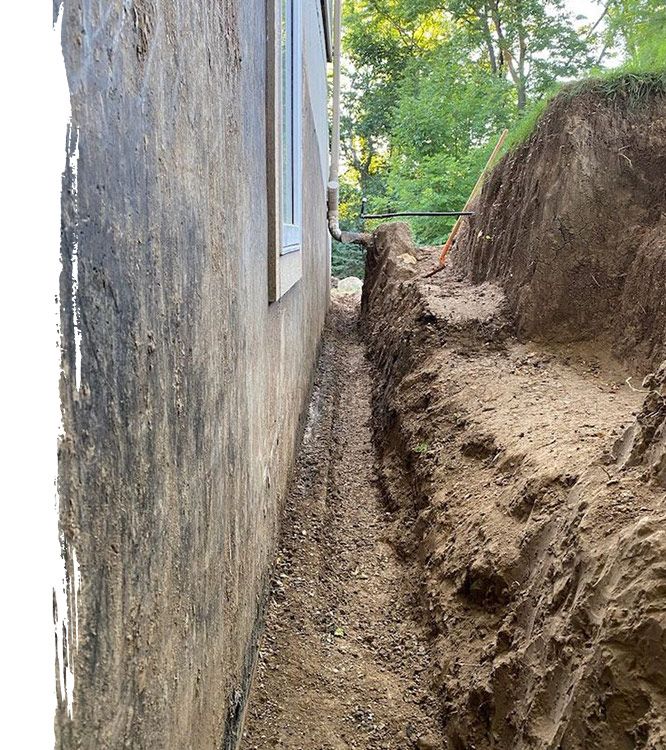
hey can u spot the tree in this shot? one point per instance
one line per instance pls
(380, 41)
(428, 84)
(446, 116)
(530, 42)
(641, 25)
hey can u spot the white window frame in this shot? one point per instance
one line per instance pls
(285, 171)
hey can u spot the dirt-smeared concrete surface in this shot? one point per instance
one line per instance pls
(344, 662)
(530, 501)
(183, 390)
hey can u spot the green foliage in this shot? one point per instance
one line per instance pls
(642, 26)
(431, 83)
(421, 448)
(444, 103)
(437, 182)
(626, 86)
(444, 123)
(347, 260)
(526, 122)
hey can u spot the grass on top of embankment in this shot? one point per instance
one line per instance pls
(629, 87)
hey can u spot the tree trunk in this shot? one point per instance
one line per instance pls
(490, 45)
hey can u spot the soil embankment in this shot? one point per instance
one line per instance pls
(532, 508)
(572, 223)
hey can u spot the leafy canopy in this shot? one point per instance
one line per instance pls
(429, 84)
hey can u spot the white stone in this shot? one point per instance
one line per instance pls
(350, 285)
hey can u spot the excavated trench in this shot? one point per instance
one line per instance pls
(528, 479)
(344, 661)
(474, 544)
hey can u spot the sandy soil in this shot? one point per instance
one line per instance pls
(344, 662)
(473, 557)
(528, 481)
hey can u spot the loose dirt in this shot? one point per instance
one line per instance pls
(344, 662)
(528, 483)
(474, 555)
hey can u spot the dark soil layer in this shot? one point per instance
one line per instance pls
(572, 224)
(527, 478)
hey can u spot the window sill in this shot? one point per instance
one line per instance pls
(288, 271)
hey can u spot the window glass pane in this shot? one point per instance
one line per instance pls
(287, 112)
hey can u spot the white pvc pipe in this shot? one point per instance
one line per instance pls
(337, 75)
(334, 171)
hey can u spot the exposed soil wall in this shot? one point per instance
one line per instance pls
(182, 388)
(571, 224)
(644, 442)
(532, 506)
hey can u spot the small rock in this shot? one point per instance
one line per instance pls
(649, 381)
(350, 285)
(427, 742)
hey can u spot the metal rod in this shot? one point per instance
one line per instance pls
(418, 213)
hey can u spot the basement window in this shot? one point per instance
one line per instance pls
(284, 142)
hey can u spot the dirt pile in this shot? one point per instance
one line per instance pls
(572, 224)
(527, 482)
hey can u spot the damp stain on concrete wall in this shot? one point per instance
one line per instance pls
(182, 389)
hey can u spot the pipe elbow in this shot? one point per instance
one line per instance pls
(348, 238)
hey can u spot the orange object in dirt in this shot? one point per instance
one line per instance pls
(474, 193)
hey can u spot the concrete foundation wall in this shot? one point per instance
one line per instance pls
(182, 388)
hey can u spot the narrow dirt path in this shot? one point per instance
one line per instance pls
(343, 663)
